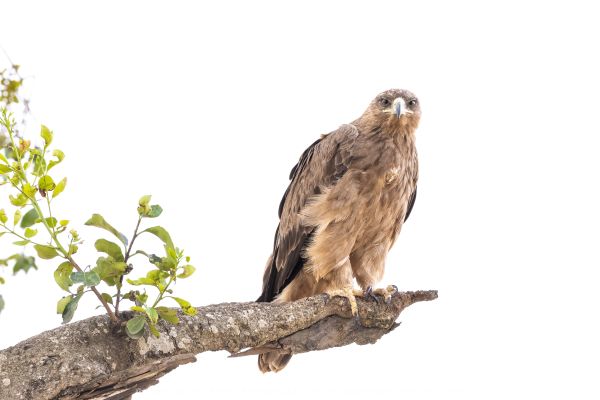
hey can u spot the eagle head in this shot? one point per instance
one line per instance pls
(395, 109)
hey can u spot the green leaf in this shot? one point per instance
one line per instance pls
(155, 211)
(167, 264)
(168, 314)
(62, 275)
(39, 163)
(145, 200)
(63, 222)
(73, 249)
(4, 169)
(1, 303)
(59, 157)
(23, 263)
(29, 233)
(109, 270)
(154, 259)
(92, 279)
(137, 308)
(45, 252)
(20, 200)
(141, 297)
(17, 217)
(51, 221)
(152, 314)
(107, 298)
(141, 281)
(162, 234)
(185, 306)
(98, 221)
(191, 311)
(60, 186)
(29, 190)
(89, 278)
(144, 207)
(2, 281)
(154, 275)
(188, 270)
(47, 135)
(135, 326)
(70, 308)
(110, 248)
(29, 218)
(172, 253)
(154, 331)
(3, 217)
(62, 304)
(46, 183)
(21, 242)
(3, 158)
(77, 277)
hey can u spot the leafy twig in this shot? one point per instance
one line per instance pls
(127, 255)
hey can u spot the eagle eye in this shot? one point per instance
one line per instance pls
(384, 102)
(412, 102)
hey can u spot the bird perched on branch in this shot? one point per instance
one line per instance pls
(349, 195)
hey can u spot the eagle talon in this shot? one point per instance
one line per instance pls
(391, 290)
(386, 293)
(368, 294)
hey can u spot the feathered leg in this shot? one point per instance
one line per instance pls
(368, 266)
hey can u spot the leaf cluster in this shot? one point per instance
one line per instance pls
(11, 83)
(27, 176)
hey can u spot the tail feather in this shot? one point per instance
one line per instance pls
(273, 361)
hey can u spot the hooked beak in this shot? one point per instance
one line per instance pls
(399, 107)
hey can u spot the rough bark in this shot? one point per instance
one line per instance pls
(91, 359)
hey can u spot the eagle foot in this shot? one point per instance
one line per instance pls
(386, 293)
(350, 294)
(368, 294)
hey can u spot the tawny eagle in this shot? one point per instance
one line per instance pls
(347, 200)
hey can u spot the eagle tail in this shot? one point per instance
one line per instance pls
(273, 361)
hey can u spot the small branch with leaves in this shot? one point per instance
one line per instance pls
(26, 172)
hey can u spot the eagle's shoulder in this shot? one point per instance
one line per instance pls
(326, 159)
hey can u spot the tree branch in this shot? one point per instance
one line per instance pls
(90, 359)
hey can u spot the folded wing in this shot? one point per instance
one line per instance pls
(321, 165)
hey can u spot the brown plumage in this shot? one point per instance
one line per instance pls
(348, 197)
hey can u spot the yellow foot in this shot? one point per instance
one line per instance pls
(350, 294)
(386, 293)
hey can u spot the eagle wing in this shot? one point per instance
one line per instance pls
(411, 203)
(321, 165)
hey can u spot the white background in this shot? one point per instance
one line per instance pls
(207, 107)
